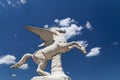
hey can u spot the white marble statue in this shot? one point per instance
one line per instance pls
(55, 43)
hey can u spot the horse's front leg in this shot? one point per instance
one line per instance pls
(71, 43)
(74, 44)
(81, 48)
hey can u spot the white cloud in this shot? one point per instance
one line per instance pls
(64, 22)
(116, 43)
(24, 66)
(56, 20)
(13, 75)
(9, 2)
(68, 72)
(88, 25)
(72, 30)
(69, 25)
(8, 59)
(94, 52)
(23, 1)
(83, 43)
(15, 35)
(73, 21)
(12, 3)
(46, 26)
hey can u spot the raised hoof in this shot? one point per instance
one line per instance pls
(46, 74)
(13, 67)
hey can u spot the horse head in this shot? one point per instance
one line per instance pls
(57, 30)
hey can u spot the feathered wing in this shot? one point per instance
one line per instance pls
(44, 34)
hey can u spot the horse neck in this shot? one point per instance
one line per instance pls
(60, 38)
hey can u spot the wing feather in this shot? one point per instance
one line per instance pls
(44, 34)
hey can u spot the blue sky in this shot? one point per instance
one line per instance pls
(103, 16)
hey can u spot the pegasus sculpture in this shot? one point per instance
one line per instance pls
(54, 43)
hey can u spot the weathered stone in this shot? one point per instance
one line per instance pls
(55, 44)
(51, 78)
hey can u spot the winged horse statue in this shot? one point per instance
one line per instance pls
(54, 43)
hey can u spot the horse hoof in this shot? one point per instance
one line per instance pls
(47, 74)
(13, 67)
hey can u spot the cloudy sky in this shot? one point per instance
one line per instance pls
(94, 24)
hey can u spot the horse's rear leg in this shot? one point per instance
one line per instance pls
(41, 67)
(22, 61)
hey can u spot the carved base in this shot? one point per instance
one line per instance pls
(51, 78)
(57, 72)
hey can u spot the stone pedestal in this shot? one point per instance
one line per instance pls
(56, 66)
(57, 72)
(50, 78)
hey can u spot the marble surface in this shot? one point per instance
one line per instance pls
(50, 78)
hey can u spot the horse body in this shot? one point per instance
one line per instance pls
(54, 49)
(41, 56)
(51, 50)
